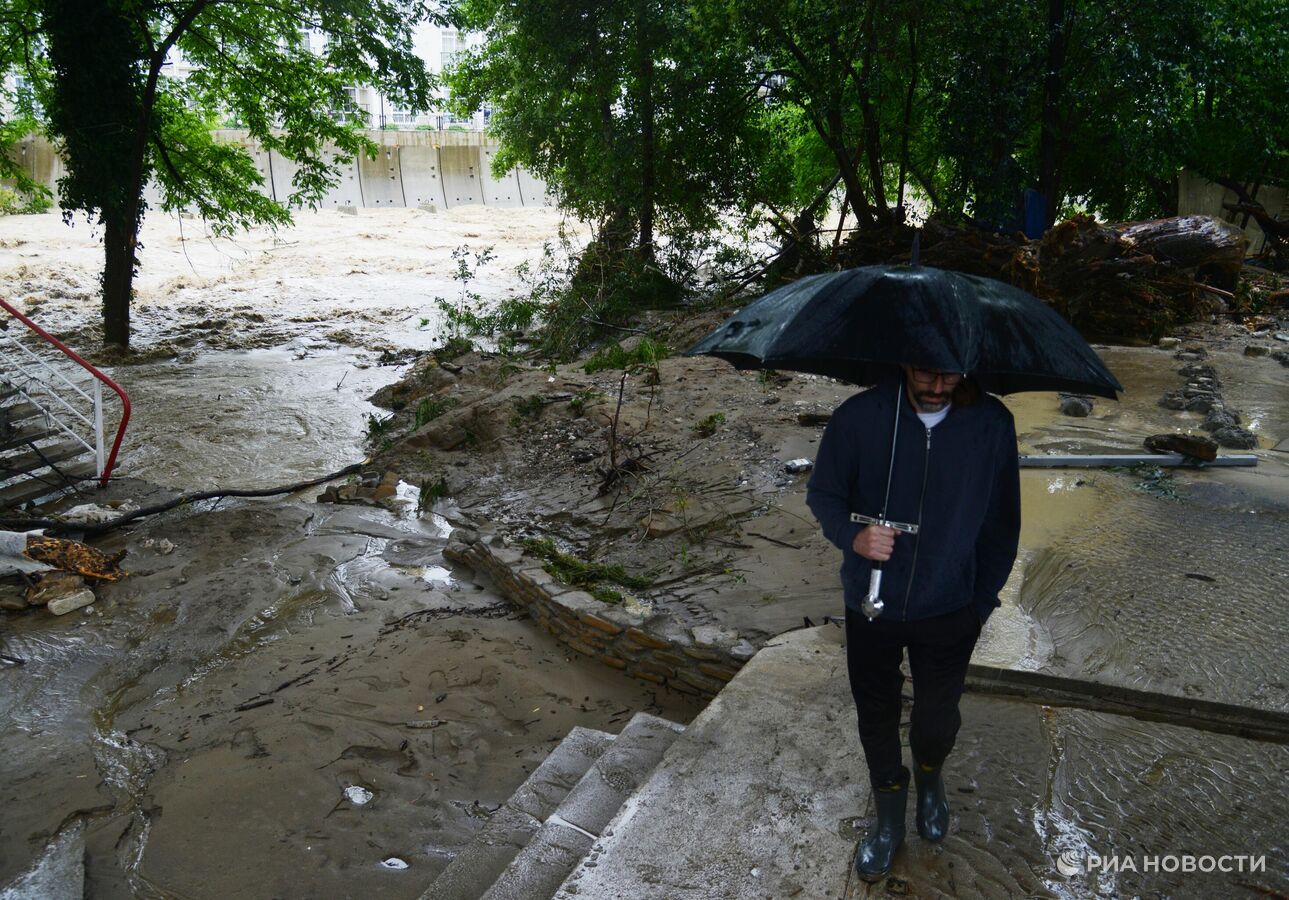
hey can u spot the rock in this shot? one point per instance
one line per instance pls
(1076, 405)
(1200, 403)
(464, 535)
(1282, 337)
(1236, 438)
(427, 207)
(1192, 445)
(1173, 400)
(1221, 418)
(347, 210)
(1169, 343)
(713, 635)
(387, 488)
(1191, 354)
(1256, 350)
(66, 603)
(1281, 356)
(1198, 370)
(797, 466)
(12, 599)
(53, 585)
(162, 546)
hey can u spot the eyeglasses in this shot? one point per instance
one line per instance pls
(926, 377)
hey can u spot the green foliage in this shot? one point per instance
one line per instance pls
(376, 426)
(13, 203)
(432, 491)
(527, 408)
(637, 116)
(454, 347)
(98, 67)
(584, 398)
(646, 352)
(1155, 481)
(430, 408)
(589, 576)
(708, 425)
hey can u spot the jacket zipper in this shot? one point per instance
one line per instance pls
(926, 468)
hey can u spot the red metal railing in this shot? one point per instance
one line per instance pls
(76, 358)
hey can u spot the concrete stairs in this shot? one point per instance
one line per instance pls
(36, 457)
(755, 799)
(549, 824)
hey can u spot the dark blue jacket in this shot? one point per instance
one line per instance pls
(960, 480)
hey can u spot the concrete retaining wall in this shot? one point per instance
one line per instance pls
(1197, 196)
(445, 168)
(653, 648)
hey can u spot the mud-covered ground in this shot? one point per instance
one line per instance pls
(206, 719)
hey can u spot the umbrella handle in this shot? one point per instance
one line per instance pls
(873, 605)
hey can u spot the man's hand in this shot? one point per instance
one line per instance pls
(876, 542)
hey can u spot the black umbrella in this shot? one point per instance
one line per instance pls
(855, 324)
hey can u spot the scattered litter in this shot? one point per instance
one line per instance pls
(162, 546)
(358, 796)
(89, 514)
(796, 466)
(12, 545)
(394, 863)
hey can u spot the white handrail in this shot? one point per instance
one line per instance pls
(34, 388)
(105, 465)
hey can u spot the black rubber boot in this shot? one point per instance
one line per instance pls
(933, 805)
(878, 852)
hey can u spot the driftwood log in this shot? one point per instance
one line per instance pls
(1128, 282)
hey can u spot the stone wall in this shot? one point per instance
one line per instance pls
(651, 647)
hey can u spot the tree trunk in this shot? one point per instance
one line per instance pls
(908, 118)
(868, 114)
(120, 238)
(647, 160)
(1049, 174)
(648, 139)
(833, 135)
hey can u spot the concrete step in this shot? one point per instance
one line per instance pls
(475, 868)
(44, 485)
(13, 413)
(570, 832)
(30, 461)
(22, 436)
(749, 802)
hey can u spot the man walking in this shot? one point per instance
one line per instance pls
(929, 449)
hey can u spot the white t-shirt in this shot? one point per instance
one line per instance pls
(930, 420)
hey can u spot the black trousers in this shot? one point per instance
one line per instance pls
(939, 650)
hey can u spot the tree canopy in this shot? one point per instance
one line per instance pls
(700, 106)
(661, 119)
(100, 72)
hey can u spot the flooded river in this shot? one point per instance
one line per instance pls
(309, 689)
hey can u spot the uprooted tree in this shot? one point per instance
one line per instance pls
(99, 68)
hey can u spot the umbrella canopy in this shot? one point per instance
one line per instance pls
(854, 325)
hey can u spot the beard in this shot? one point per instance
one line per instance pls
(930, 401)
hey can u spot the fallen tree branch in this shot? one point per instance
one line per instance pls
(57, 526)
